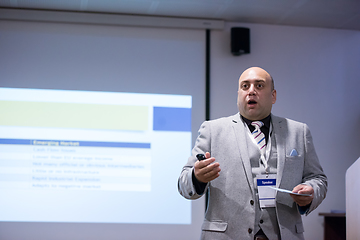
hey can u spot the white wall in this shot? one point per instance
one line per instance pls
(316, 74)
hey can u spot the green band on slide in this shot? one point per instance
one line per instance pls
(74, 115)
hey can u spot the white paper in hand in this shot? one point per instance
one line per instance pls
(287, 191)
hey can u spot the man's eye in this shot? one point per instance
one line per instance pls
(260, 86)
(244, 86)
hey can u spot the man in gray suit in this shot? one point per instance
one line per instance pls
(254, 157)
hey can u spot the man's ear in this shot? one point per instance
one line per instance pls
(273, 96)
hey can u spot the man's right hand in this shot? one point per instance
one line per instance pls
(207, 169)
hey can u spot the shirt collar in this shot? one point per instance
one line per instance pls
(266, 121)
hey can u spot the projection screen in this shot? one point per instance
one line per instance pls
(96, 123)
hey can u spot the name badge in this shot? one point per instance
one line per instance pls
(266, 194)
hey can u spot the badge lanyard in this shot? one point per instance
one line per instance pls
(264, 182)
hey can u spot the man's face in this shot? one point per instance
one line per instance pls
(255, 94)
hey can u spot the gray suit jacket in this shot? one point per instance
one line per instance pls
(231, 212)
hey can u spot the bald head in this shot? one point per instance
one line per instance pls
(260, 70)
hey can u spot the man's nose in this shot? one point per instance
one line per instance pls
(252, 89)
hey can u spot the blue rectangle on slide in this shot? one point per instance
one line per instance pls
(172, 119)
(64, 143)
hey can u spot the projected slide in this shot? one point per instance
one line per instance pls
(81, 156)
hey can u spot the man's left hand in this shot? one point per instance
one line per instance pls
(303, 189)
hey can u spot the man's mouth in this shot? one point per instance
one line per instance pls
(252, 102)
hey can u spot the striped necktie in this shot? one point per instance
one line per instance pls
(259, 136)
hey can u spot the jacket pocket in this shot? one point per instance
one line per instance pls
(295, 158)
(216, 226)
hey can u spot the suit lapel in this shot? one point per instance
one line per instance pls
(240, 133)
(280, 137)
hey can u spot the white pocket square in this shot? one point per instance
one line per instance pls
(294, 153)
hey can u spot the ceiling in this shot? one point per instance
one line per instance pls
(338, 14)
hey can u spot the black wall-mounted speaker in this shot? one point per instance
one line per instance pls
(240, 41)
